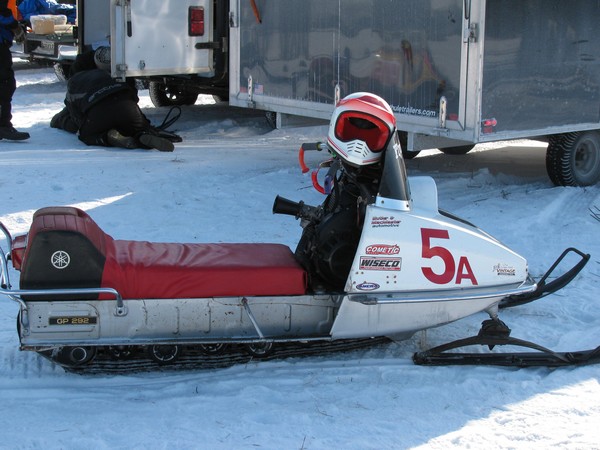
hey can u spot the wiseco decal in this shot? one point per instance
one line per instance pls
(372, 263)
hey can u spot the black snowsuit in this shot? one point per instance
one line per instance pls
(96, 103)
(8, 84)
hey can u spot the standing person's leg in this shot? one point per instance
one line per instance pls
(8, 86)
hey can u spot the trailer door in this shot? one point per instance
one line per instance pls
(161, 37)
(301, 57)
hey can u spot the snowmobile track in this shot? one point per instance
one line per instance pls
(193, 358)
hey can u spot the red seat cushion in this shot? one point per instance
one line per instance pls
(138, 269)
(158, 270)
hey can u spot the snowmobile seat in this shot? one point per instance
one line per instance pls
(65, 248)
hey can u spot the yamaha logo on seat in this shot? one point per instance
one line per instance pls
(60, 259)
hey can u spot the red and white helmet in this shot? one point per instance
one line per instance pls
(360, 128)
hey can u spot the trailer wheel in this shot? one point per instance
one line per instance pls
(403, 136)
(457, 150)
(552, 160)
(162, 94)
(164, 354)
(573, 159)
(62, 71)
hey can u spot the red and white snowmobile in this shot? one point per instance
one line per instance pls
(377, 258)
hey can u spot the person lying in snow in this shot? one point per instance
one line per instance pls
(103, 111)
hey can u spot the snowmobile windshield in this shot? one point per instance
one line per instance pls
(394, 191)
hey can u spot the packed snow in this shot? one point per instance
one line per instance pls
(218, 186)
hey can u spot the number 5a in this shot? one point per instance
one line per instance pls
(464, 270)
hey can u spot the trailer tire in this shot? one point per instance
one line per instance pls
(573, 159)
(552, 158)
(162, 94)
(62, 71)
(457, 150)
(403, 136)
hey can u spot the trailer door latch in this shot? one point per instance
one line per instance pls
(471, 33)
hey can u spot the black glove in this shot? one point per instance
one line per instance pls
(19, 33)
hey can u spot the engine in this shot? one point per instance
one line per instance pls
(331, 231)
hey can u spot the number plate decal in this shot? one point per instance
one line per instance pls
(73, 320)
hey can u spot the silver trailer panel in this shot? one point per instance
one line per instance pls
(452, 70)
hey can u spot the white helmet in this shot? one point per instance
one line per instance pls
(102, 58)
(360, 128)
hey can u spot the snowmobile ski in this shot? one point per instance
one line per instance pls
(494, 332)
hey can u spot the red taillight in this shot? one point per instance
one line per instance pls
(196, 21)
(488, 125)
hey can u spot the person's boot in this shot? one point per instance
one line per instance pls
(159, 143)
(11, 134)
(116, 139)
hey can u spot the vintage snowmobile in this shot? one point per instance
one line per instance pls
(376, 259)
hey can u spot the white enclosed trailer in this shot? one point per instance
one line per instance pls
(178, 48)
(456, 72)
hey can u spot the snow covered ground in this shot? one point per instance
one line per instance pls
(218, 186)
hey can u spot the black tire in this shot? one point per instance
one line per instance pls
(260, 349)
(409, 155)
(573, 159)
(62, 71)
(554, 142)
(457, 150)
(164, 354)
(403, 136)
(165, 95)
(271, 117)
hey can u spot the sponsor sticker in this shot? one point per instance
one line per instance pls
(382, 249)
(380, 263)
(505, 270)
(367, 286)
(385, 222)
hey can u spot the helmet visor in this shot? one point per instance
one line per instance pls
(354, 125)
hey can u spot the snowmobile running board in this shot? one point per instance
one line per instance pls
(494, 332)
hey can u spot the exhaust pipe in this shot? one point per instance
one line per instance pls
(282, 205)
(299, 210)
